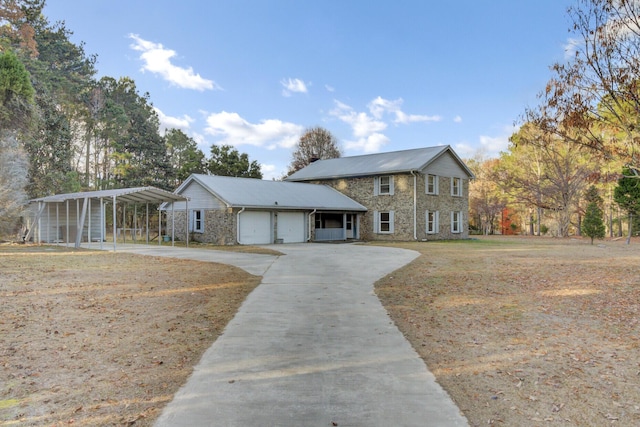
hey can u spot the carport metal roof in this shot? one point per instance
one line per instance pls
(129, 195)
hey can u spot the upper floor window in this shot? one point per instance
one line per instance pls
(383, 185)
(456, 186)
(456, 222)
(432, 184)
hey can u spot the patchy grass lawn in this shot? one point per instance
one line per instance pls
(526, 331)
(95, 338)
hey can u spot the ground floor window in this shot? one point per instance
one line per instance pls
(432, 222)
(383, 222)
(456, 222)
(197, 221)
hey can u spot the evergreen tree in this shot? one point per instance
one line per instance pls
(227, 161)
(592, 224)
(627, 195)
(184, 155)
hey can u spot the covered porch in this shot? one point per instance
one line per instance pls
(335, 226)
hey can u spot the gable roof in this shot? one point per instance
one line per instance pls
(376, 164)
(257, 193)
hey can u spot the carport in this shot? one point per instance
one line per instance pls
(74, 216)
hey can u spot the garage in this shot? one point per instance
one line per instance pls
(255, 228)
(290, 227)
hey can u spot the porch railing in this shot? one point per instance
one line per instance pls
(330, 234)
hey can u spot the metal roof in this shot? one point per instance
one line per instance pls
(374, 164)
(131, 195)
(257, 193)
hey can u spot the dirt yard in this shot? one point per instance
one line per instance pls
(520, 332)
(526, 332)
(95, 338)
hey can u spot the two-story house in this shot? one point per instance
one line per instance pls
(418, 194)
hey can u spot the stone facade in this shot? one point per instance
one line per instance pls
(220, 227)
(401, 202)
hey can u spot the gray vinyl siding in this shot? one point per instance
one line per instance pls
(446, 165)
(200, 198)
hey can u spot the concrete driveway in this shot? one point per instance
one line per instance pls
(311, 346)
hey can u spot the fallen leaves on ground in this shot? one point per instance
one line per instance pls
(526, 331)
(96, 338)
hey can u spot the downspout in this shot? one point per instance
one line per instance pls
(309, 224)
(238, 225)
(415, 206)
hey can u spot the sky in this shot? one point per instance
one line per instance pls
(379, 75)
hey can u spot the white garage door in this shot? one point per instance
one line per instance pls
(291, 227)
(255, 228)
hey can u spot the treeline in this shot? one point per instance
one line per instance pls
(580, 145)
(579, 148)
(83, 133)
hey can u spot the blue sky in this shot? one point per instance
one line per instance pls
(380, 75)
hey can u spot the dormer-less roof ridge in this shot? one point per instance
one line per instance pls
(410, 160)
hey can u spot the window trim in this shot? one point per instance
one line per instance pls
(377, 186)
(435, 223)
(377, 222)
(455, 193)
(197, 221)
(456, 222)
(435, 184)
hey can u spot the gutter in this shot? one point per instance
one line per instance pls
(309, 224)
(415, 205)
(238, 225)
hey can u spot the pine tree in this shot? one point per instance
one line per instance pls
(592, 225)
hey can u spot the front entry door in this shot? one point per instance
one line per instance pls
(350, 226)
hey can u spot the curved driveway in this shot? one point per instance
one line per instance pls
(311, 346)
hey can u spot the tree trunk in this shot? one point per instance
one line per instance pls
(630, 227)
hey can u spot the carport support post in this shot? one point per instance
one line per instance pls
(124, 223)
(147, 205)
(102, 224)
(114, 223)
(89, 223)
(173, 225)
(186, 215)
(135, 222)
(159, 225)
(57, 223)
(67, 237)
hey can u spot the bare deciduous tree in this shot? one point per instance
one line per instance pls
(594, 99)
(14, 167)
(315, 144)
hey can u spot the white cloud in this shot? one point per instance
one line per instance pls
(364, 127)
(329, 88)
(234, 130)
(157, 59)
(494, 145)
(270, 172)
(168, 122)
(371, 144)
(293, 86)
(571, 48)
(361, 124)
(457, 119)
(380, 106)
